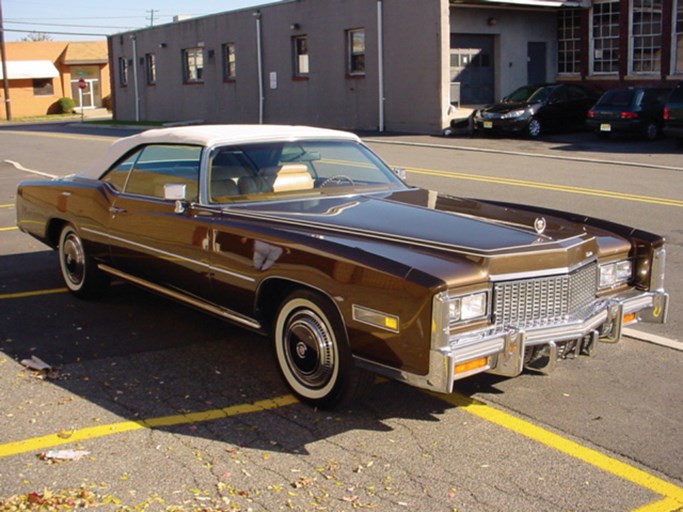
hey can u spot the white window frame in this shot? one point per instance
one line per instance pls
(632, 37)
(574, 42)
(676, 52)
(591, 60)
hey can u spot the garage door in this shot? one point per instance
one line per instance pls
(472, 66)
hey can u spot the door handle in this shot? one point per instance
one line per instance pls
(115, 209)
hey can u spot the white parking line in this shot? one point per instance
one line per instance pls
(653, 338)
(520, 153)
(20, 167)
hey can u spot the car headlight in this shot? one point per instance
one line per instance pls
(615, 274)
(467, 307)
(514, 114)
(454, 309)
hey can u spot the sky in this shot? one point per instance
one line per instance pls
(93, 20)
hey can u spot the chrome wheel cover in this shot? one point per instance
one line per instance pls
(72, 259)
(309, 349)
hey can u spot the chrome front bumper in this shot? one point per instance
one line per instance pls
(505, 350)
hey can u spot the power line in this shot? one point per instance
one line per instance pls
(56, 33)
(63, 25)
(75, 18)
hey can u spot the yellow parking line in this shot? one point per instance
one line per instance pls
(11, 228)
(35, 293)
(6, 206)
(549, 186)
(665, 505)
(672, 493)
(40, 443)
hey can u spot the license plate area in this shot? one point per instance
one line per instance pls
(605, 127)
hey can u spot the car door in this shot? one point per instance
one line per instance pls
(148, 238)
(555, 111)
(579, 101)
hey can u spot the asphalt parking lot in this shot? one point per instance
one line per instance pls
(162, 408)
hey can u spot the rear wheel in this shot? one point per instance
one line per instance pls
(313, 352)
(651, 131)
(79, 271)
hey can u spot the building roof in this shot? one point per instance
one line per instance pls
(28, 69)
(90, 52)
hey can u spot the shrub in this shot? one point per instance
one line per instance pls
(106, 102)
(66, 105)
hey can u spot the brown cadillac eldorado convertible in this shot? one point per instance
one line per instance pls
(305, 235)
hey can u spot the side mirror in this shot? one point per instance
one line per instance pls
(176, 192)
(400, 172)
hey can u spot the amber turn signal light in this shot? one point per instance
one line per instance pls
(468, 366)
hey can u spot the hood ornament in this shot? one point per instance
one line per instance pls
(540, 225)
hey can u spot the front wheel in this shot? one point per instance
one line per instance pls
(313, 352)
(534, 128)
(79, 271)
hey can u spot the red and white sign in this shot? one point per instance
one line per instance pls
(81, 84)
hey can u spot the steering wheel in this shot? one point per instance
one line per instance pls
(337, 179)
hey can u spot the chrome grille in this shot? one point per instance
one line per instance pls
(545, 300)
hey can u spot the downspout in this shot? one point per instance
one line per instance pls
(380, 62)
(135, 78)
(5, 78)
(259, 65)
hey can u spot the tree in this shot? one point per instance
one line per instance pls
(36, 37)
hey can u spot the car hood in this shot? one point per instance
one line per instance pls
(502, 108)
(503, 239)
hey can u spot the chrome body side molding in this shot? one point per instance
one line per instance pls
(209, 308)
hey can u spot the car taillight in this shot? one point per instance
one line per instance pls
(629, 115)
(666, 113)
(591, 113)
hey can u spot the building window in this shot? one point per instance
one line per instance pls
(677, 38)
(151, 68)
(355, 41)
(229, 70)
(300, 47)
(42, 87)
(569, 41)
(123, 71)
(605, 40)
(193, 65)
(646, 36)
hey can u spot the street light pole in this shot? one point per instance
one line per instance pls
(5, 78)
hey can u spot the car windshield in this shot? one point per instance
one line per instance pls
(268, 171)
(529, 94)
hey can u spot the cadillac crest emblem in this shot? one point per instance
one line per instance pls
(539, 225)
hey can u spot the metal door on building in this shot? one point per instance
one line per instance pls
(472, 66)
(536, 68)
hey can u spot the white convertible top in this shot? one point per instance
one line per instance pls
(208, 136)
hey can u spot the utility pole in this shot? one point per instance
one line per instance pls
(151, 16)
(5, 78)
